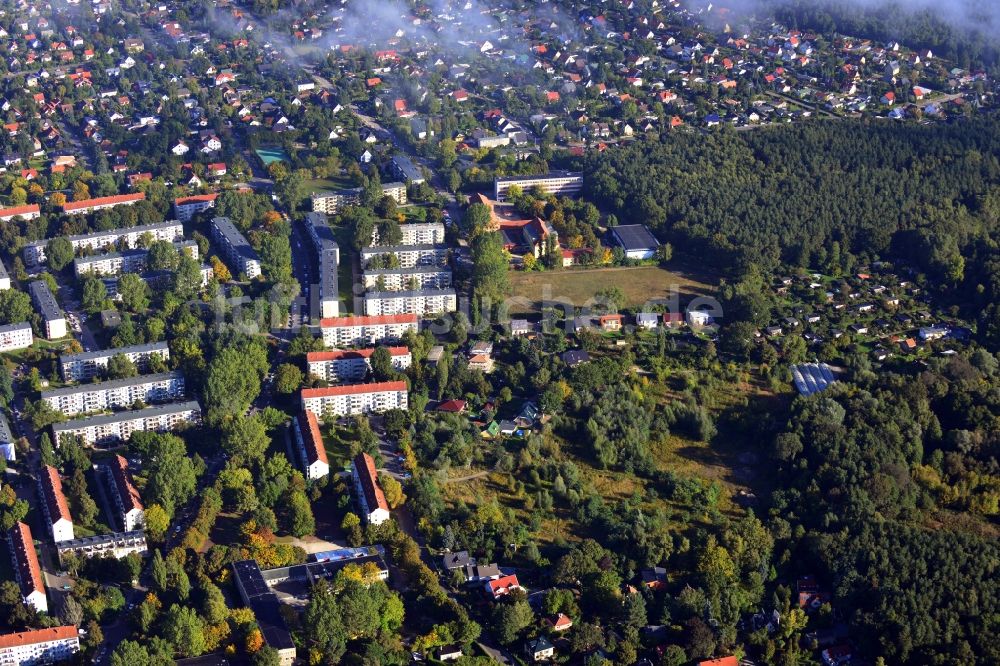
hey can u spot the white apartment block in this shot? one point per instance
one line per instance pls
(125, 494)
(16, 336)
(116, 544)
(371, 499)
(186, 207)
(328, 255)
(120, 426)
(235, 248)
(27, 571)
(334, 401)
(309, 443)
(417, 233)
(27, 212)
(34, 253)
(366, 331)
(49, 310)
(129, 261)
(560, 183)
(400, 279)
(86, 365)
(55, 508)
(421, 303)
(409, 255)
(335, 201)
(352, 365)
(115, 394)
(39, 646)
(4, 277)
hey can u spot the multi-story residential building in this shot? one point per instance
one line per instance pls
(116, 544)
(39, 646)
(235, 247)
(355, 399)
(125, 495)
(120, 426)
(34, 253)
(27, 571)
(102, 203)
(366, 331)
(404, 169)
(399, 279)
(421, 302)
(55, 508)
(7, 451)
(328, 254)
(129, 261)
(115, 394)
(16, 336)
(49, 310)
(309, 443)
(4, 277)
(85, 365)
(187, 207)
(27, 212)
(417, 233)
(560, 183)
(409, 255)
(352, 365)
(335, 201)
(371, 499)
(259, 598)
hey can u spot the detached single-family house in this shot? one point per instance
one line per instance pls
(502, 586)
(540, 649)
(647, 320)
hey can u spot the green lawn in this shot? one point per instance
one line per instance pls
(324, 184)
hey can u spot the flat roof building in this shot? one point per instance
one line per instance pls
(34, 253)
(120, 426)
(398, 279)
(115, 394)
(636, 240)
(403, 168)
(4, 277)
(16, 336)
(435, 254)
(416, 233)
(85, 365)
(421, 302)
(328, 260)
(559, 183)
(7, 451)
(235, 247)
(333, 202)
(49, 310)
(266, 608)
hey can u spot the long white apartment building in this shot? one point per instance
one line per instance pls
(120, 426)
(55, 508)
(86, 365)
(115, 544)
(409, 255)
(125, 495)
(400, 279)
(129, 261)
(235, 248)
(309, 443)
(333, 202)
(421, 302)
(115, 394)
(328, 255)
(39, 646)
(417, 233)
(34, 253)
(350, 399)
(16, 336)
(352, 365)
(27, 571)
(366, 331)
(48, 309)
(560, 183)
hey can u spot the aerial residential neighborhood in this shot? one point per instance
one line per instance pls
(639, 333)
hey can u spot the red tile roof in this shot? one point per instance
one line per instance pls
(722, 661)
(53, 494)
(197, 198)
(377, 320)
(502, 584)
(104, 201)
(309, 427)
(352, 389)
(338, 354)
(19, 210)
(123, 482)
(455, 406)
(365, 467)
(23, 638)
(26, 560)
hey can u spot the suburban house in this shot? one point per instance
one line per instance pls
(502, 586)
(539, 649)
(561, 622)
(647, 320)
(610, 322)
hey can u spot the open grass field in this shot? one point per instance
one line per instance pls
(325, 184)
(576, 286)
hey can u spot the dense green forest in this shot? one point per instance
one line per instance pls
(824, 195)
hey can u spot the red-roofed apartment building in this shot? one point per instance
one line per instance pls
(355, 398)
(28, 212)
(352, 365)
(41, 646)
(309, 442)
(366, 331)
(26, 568)
(186, 207)
(371, 499)
(126, 496)
(100, 203)
(54, 504)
